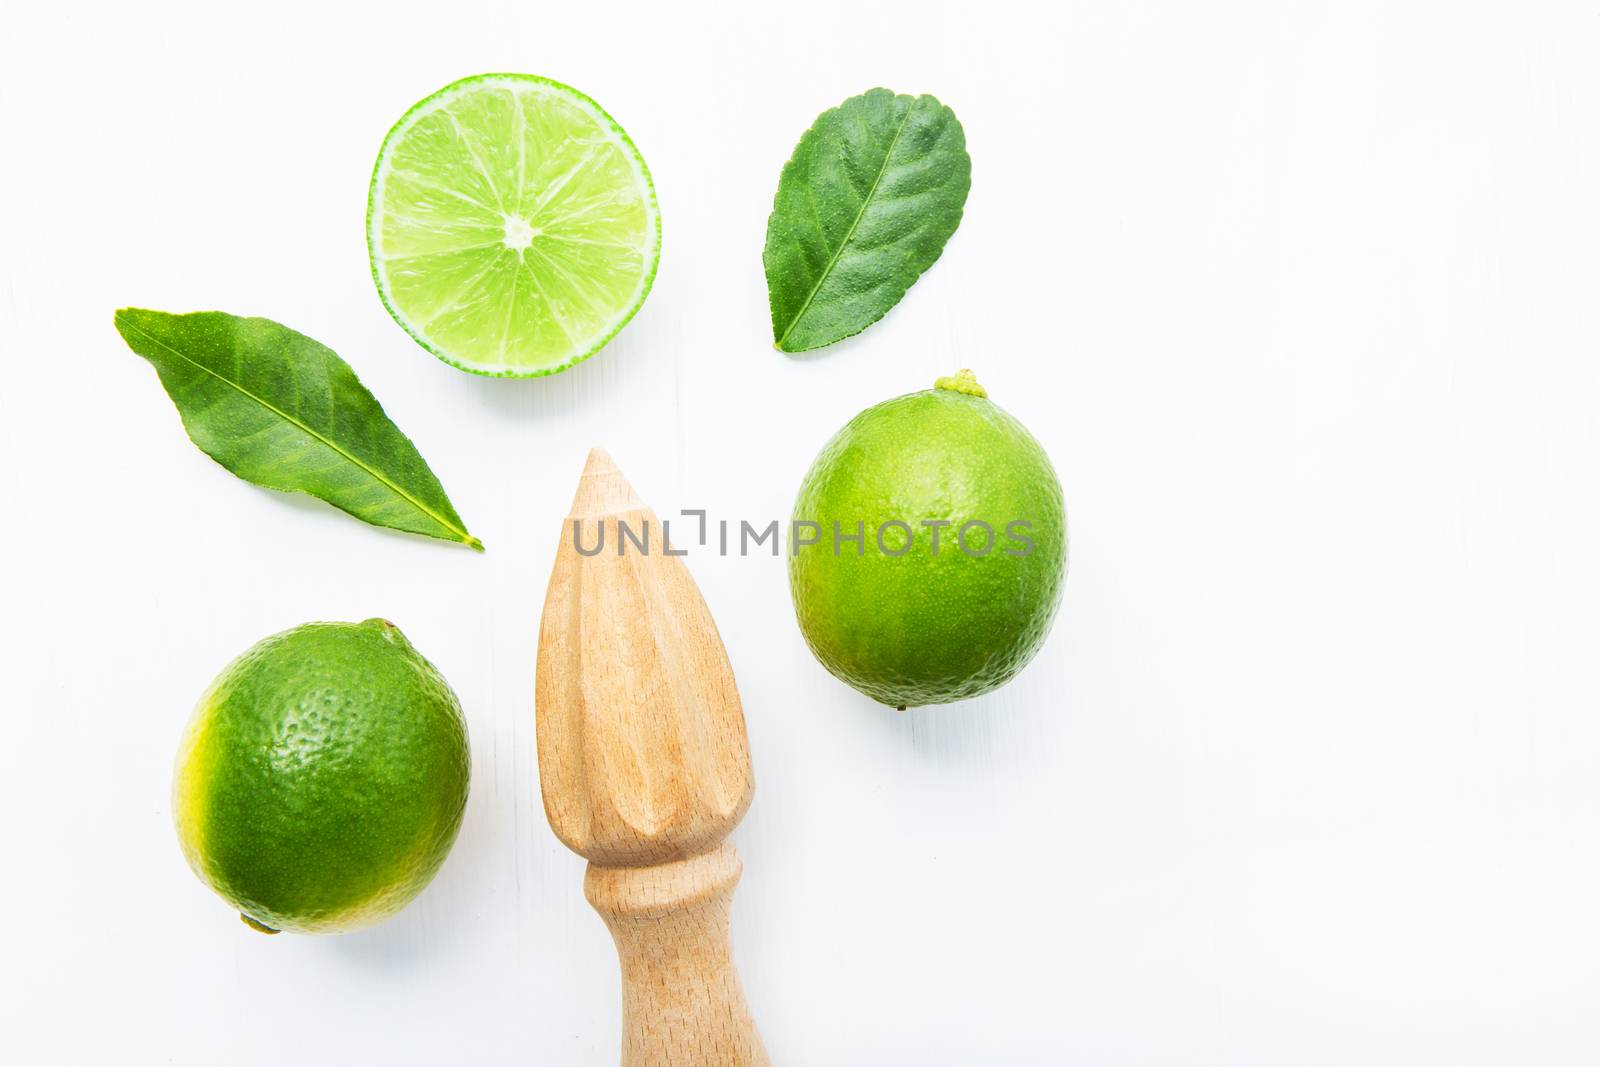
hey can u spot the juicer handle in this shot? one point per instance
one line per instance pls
(682, 1005)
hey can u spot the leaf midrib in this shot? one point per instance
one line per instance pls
(850, 233)
(463, 535)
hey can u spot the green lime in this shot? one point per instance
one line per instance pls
(512, 225)
(940, 547)
(322, 778)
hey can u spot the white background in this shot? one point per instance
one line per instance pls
(1302, 299)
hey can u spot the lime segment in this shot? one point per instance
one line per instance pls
(512, 225)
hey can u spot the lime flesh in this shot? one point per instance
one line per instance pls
(512, 225)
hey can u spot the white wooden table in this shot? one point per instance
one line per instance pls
(1303, 300)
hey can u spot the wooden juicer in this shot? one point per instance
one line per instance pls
(645, 770)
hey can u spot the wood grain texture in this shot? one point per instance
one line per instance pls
(644, 767)
(681, 999)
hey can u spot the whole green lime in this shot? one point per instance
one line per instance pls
(322, 778)
(928, 547)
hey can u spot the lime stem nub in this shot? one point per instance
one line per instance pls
(963, 381)
(255, 925)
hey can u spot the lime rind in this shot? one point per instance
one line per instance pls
(322, 778)
(650, 254)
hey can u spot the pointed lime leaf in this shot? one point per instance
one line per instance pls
(284, 412)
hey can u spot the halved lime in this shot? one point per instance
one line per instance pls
(512, 225)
